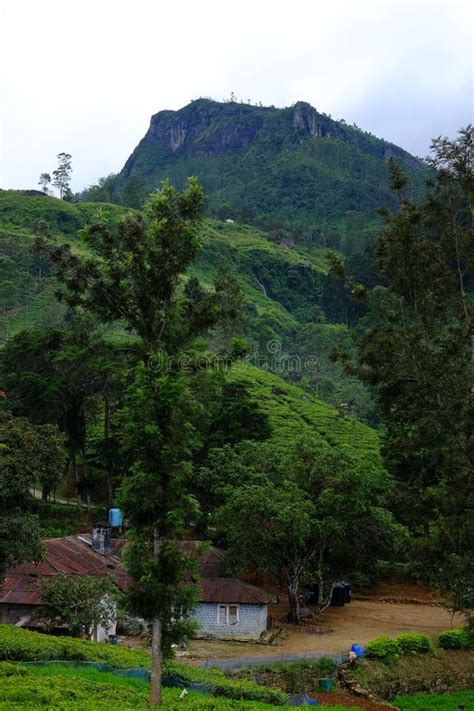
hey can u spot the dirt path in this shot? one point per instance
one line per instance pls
(353, 702)
(340, 627)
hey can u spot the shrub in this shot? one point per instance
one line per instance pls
(413, 642)
(382, 648)
(9, 669)
(219, 685)
(23, 646)
(89, 690)
(20, 645)
(456, 638)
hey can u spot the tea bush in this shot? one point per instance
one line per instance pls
(414, 642)
(456, 638)
(85, 689)
(382, 648)
(24, 646)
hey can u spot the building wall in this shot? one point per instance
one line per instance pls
(252, 621)
(11, 614)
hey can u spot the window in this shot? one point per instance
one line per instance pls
(228, 614)
(233, 614)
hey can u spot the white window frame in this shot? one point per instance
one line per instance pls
(227, 607)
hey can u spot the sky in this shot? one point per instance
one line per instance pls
(85, 76)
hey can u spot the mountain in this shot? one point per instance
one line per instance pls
(291, 167)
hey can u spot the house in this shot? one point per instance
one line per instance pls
(230, 608)
(96, 554)
(227, 606)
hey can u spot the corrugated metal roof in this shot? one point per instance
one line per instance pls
(232, 590)
(74, 555)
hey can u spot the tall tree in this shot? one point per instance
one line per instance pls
(136, 278)
(62, 174)
(23, 448)
(44, 182)
(417, 353)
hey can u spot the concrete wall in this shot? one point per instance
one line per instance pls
(252, 621)
(10, 614)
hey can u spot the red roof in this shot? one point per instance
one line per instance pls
(74, 555)
(232, 590)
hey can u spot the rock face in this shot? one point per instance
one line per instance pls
(284, 162)
(210, 128)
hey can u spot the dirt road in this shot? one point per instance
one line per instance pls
(339, 627)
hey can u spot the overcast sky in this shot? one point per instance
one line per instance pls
(85, 76)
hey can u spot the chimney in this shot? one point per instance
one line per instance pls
(101, 539)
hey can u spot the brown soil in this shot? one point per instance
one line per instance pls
(354, 702)
(337, 628)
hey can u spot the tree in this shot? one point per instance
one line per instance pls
(44, 182)
(83, 602)
(136, 278)
(272, 530)
(19, 527)
(62, 174)
(308, 515)
(50, 458)
(52, 376)
(417, 355)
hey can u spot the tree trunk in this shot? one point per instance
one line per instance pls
(156, 663)
(294, 605)
(156, 653)
(44, 493)
(108, 457)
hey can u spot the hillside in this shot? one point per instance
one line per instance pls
(292, 413)
(284, 283)
(291, 167)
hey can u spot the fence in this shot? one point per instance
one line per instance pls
(242, 662)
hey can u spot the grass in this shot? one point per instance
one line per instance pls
(436, 702)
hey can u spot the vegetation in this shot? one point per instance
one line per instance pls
(437, 702)
(417, 354)
(82, 602)
(456, 638)
(406, 643)
(27, 454)
(60, 687)
(22, 646)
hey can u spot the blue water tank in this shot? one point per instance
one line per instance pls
(115, 517)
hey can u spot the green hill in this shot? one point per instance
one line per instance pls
(293, 412)
(273, 276)
(293, 167)
(285, 283)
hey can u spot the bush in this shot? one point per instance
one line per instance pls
(23, 646)
(414, 642)
(382, 648)
(219, 685)
(9, 669)
(20, 645)
(82, 689)
(456, 638)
